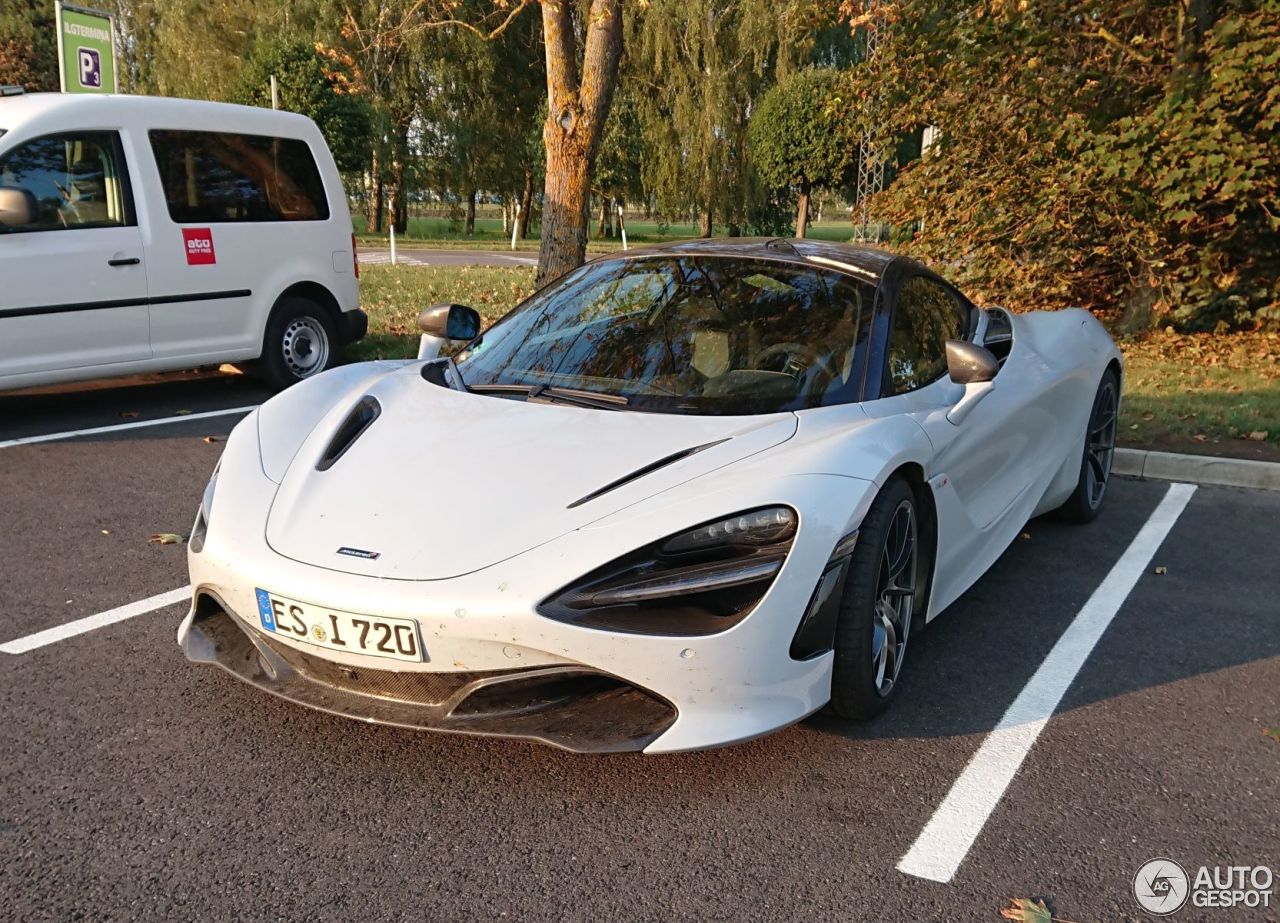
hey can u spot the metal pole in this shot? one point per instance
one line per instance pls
(393, 243)
(275, 93)
(515, 226)
(622, 227)
(870, 155)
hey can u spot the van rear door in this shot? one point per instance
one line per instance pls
(74, 292)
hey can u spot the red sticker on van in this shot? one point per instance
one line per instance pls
(199, 243)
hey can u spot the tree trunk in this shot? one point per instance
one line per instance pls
(471, 213)
(735, 230)
(603, 229)
(802, 215)
(706, 225)
(375, 194)
(576, 113)
(526, 203)
(396, 205)
(564, 213)
(506, 215)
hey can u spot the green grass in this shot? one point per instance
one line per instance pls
(1201, 394)
(444, 233)
(393, 295)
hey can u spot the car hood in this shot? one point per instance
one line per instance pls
(443, 483)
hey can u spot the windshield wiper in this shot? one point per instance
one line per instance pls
(550, 393)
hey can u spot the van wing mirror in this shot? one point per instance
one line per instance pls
(450, 322)
(17, 207)
(968, 363)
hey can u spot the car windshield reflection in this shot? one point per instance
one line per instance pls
(695, 335)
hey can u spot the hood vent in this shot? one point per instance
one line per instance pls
(359, 420)
(641, 472)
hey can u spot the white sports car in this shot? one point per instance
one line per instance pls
(680, 498)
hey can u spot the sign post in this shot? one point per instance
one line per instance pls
(86, 49)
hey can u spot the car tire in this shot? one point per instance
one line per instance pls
(881, 597)
(1085, 502)
(301, 341)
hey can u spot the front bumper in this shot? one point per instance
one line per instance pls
(723, 688)
(565, 706)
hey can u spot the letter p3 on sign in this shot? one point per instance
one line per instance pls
(199, 246)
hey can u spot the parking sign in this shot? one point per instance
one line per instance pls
(86, 50)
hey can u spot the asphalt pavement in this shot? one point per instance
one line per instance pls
(134, 785)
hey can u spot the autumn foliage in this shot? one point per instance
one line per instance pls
(1119, 155)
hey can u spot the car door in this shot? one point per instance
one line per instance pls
(74, 291)
(983, 467)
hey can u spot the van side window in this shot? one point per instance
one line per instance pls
(217, 177)
(70, 181)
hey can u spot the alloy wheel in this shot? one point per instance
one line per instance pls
(1100, 449)
(895, 598)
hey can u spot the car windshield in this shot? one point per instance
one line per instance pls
(682, 334)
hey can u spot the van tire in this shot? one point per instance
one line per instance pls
(301, 341)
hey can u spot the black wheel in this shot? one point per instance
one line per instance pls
(882, 593)
(301, 341)
(1085, 501)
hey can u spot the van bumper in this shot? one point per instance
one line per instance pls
(352, 326)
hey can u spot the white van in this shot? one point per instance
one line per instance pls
(144, 234)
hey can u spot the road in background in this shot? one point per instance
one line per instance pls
(420, 256)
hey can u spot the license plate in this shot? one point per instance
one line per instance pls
(332, 629)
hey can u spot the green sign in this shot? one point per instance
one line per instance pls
(86, 50)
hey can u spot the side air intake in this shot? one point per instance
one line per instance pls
(359, 420)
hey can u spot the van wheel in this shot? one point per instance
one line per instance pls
(301, 341)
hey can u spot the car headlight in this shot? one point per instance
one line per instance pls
(196, 542)
(697, 582)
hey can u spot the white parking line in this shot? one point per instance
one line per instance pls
(951, 832)
(117, 427)
(91, 622)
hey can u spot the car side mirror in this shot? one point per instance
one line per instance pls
(968, 363)
(17, 207)
(442, 322)
(974, 367)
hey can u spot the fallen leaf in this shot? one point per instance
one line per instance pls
(1161, 570)
(166, 538)
(1259, 435)
(1200, 437)
(212, 439)
(1273, 733)
(128, 414)
(1022, 910)
(1148, 416)
(181, 413)
(106, 531)
(1025, 535)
